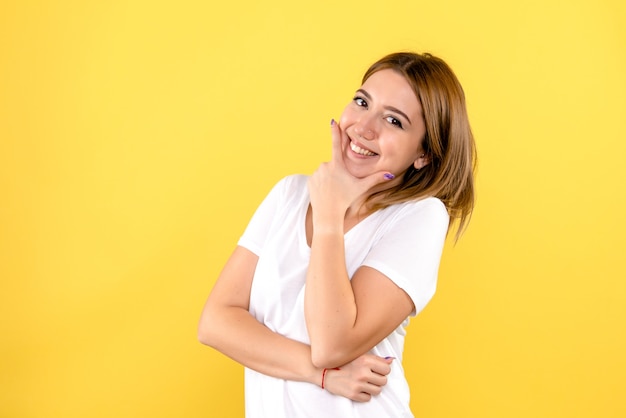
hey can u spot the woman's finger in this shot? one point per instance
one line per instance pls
(375, 179)
(377, 380)
(382, 367)
(337, 151)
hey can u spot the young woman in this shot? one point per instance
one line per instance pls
(315, 299)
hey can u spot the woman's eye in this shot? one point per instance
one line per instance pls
(360, 101)
(394, 121)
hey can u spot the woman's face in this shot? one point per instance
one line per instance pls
(383, 127)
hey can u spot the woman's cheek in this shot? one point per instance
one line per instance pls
(344, 120)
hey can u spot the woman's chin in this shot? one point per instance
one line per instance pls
(359, 174)
(358, 170)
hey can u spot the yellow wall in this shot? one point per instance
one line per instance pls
(137, 137)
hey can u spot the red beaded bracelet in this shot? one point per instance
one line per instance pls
(324, 374)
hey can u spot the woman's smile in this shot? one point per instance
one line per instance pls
(360, 150)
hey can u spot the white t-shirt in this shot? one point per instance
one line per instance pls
(404, 242)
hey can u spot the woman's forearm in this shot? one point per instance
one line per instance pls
(241, 337)
(330, 306)
(237, 334)
(347, 316)
(227, 325)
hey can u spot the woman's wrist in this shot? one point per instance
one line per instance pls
(325, 373)
(314, 376)
(328, 224)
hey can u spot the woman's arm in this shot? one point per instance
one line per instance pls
(227, 326)
(345, 318)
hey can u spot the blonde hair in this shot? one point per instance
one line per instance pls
(448, 142)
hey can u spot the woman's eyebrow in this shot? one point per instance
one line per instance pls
(393, 109)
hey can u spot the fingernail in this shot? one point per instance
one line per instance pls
(388, 357)
(332, 122)
(389, 176)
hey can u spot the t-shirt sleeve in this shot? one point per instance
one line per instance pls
(409, 250)
(260, 224)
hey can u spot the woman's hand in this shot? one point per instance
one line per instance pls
(333, 189)
(360, 379)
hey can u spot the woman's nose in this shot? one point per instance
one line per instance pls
(365, 128)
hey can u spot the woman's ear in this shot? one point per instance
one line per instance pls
(422, 161)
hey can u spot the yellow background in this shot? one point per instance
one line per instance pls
(137, 138)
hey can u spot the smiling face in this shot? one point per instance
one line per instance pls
(383, 127)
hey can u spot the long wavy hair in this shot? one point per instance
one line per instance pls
(448, 142)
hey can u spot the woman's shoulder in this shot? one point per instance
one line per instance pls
(427, 210)
(290, 187)
(428, 204)
(296, 180)
(432, 204)
(292, 183)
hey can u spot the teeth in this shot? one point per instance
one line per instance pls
(360, 150)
